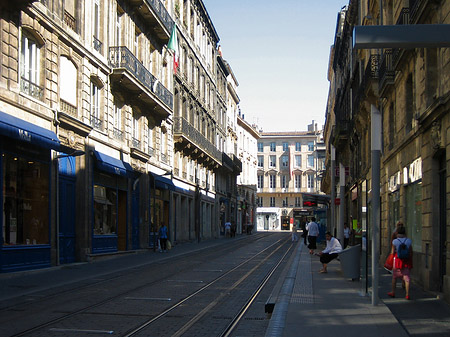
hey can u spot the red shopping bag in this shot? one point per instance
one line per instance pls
(389, 262)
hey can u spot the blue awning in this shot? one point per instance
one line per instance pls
(19, 129)
(112, 165)
(163, 183)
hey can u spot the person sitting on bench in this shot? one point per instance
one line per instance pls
(330, 252)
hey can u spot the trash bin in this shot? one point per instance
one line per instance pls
(351, 261)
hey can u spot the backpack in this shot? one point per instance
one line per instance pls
(403, 250)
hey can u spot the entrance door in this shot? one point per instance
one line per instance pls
(135, 219)
(67, 215)
(122, 221)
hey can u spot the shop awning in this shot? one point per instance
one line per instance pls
(112, 165)
(19, 129)
(163, 183)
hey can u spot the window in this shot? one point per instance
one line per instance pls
(285, 147)
(284, 161)
(261, 161)
(297, 202)
(298, 181)
(25, 199)
(272, 181)
(298, 160)
(273, 147)
(298, 147)
(272, 161)
(95, 107)
(310, 146)
(96, 27)
(310, 161)
(135, 139)
(272, 201)
(30, 66)
(260, 181)
(117, 130)
(284, 181)
(285, 202)
(68, 85)
(310, 181)
(259, 201)
(105, 210)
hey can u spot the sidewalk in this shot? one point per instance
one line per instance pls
(314, 304)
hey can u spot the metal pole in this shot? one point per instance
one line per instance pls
(376, 152)
(333, 189)
(340, 231)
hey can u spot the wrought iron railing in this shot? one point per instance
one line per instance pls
(136, 143)
(122, 57)
(371, 72)
(97, 44)
(68, 108)
(96, 123)
(162, 13)
(31, 88)
(70, 21)
(164, 158)
(118, 134)
(151, 151)
(182, 126)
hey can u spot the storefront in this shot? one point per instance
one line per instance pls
(110, 211)
(25, 171)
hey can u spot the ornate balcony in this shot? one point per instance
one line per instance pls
(369, 77)
(137, 85)
(155, 16)
(386, 73)
(191, 142)
(31, 88)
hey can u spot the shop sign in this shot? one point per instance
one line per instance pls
(394, 182)
(413, 172)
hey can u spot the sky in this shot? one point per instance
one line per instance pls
(279, 52)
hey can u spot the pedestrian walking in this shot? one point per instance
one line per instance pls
(313, 233)
(294, 233)
(227, 229)
(347, 233)
(163, 238)
(402, 250)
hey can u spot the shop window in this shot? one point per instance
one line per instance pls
(105, 210)
(26, 201)
(414, 215)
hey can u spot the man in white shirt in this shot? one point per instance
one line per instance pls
(330, 252)
(313, 233)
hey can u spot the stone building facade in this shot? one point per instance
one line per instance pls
(101, 143)
(289, 170)
(411, 89)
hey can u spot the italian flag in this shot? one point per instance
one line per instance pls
(173, 46)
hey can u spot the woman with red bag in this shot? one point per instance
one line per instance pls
(402, 250)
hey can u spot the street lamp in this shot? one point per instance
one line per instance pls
(75, 153)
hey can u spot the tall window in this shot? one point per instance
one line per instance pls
(272, 181)
(284, 181)
(96, 27)
(260, 181)
(297, 202)
(118, 29)
(272, 201)
(298, 181)
(68, 86)
(298, 160)
(261, 161)
(285, 147)
(298, 147)
(95, 107)
(135, 132)
(272, 161)
(118, 133)
(285, 202)
(273, 147)
(310, 160)
(311, 146)
(30, 66)
(284, 161)
(310, 181)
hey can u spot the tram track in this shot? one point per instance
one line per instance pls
(51, 326)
